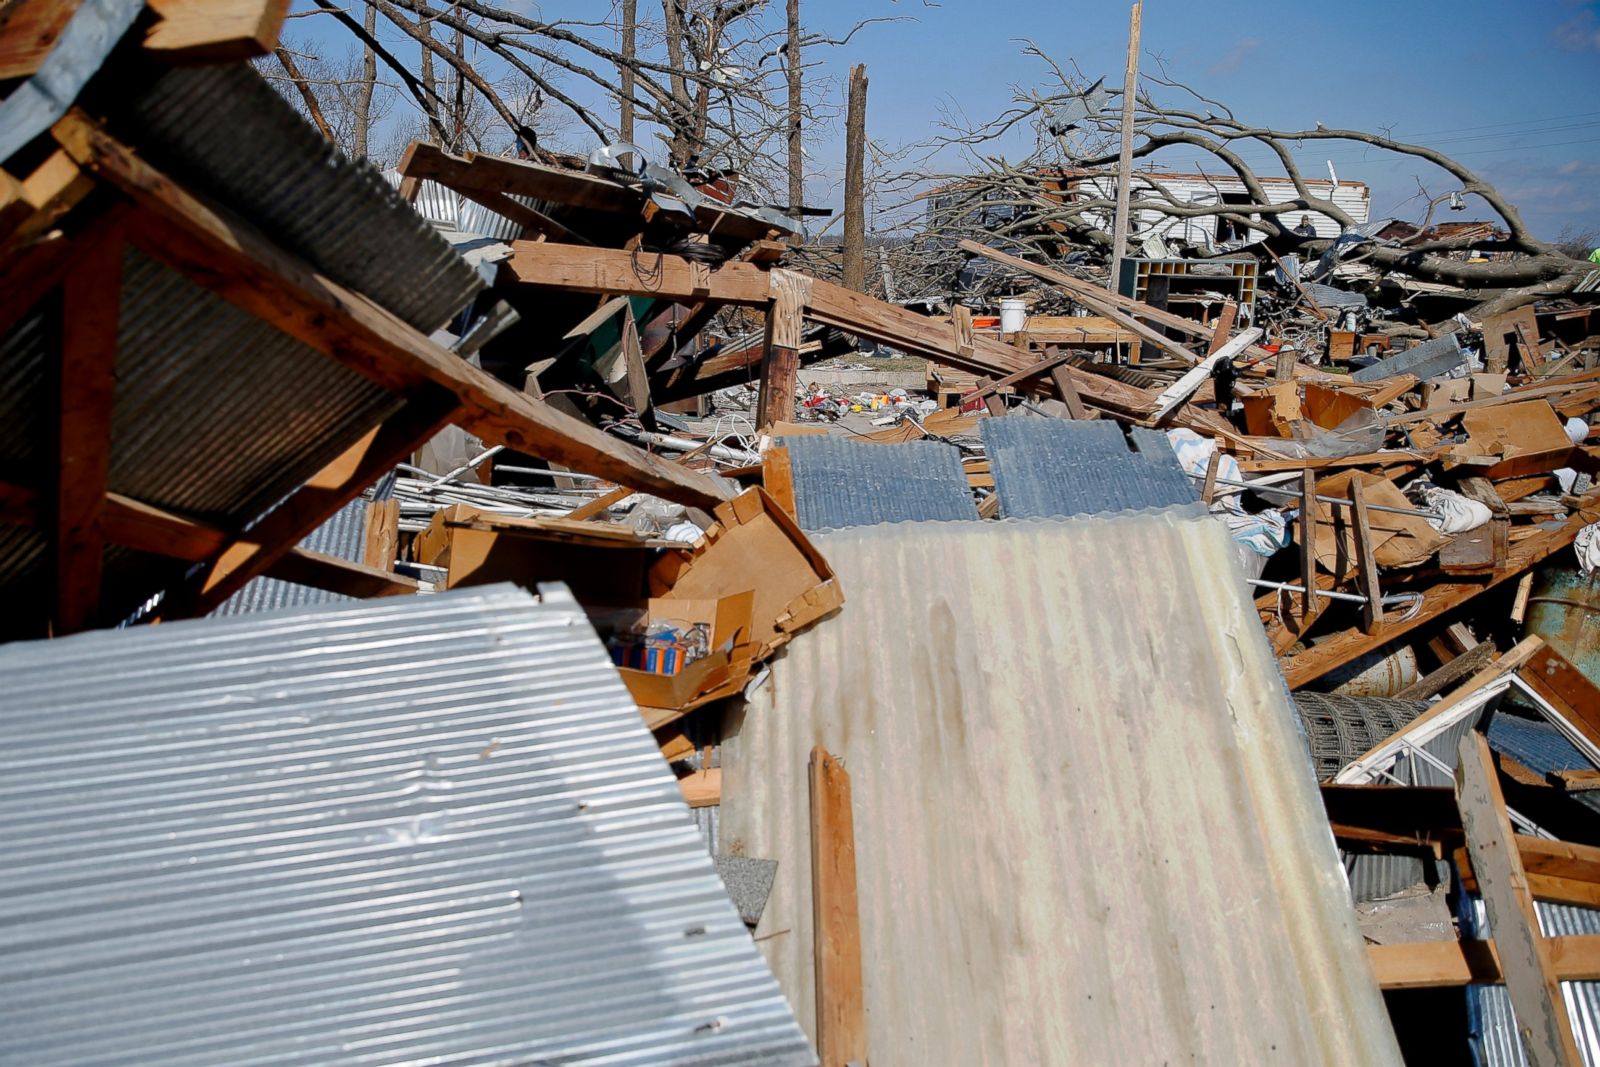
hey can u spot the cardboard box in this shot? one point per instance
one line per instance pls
(1272, 412)
(706, 679)
(1528, 438)
(754, 545)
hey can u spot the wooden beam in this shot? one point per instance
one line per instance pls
(841, 1007)
(320, 571)
(1067, 390)
(231, 258)
(702, 789)
(28, 31)
(1561, 872)
(1443, 964)
(429, 161)
(315, 502)
(145, 528)
(1437, 600)
(605, 270)
(785, 321)
(1525, 958)
(563, 186)
(1448, 674)
(1565, 687)
(91, 299)
(599, 505)
(1036, 370)
(214, 31)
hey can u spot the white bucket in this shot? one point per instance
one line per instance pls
(1013, 316)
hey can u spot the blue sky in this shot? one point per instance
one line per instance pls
(1510, 89)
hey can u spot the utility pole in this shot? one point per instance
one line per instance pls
(630, 26)
(855, 192)
(797, 155)
(1130, 93)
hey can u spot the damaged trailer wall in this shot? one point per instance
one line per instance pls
(1086, 828)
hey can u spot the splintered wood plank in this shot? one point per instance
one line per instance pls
(1530, 973)
(214, 31)
(781, 364)
(383, 534)
(777, 477)
(1223, 327)
(841, 1004)
(1068, 391)
(230, 257)
(91, 298)
(702, 789)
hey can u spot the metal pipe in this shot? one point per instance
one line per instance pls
(465, 467)
(1325, 499)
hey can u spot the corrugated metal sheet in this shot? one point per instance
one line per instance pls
(447, 208)
(1427, 360)
(1085, 829)
(216, 415)
(1375, 875)
(1056, 468)
(423, 830)
(840, 483)
(228, 133)
(343, 536)
(1489, 1013)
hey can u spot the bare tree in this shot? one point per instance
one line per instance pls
(1060, 193)
(855, 219)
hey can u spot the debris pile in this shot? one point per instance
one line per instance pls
(655, 617)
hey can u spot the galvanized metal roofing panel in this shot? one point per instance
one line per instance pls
(1085, 829)
(343, 536)
(422, 829)
(1056, 468)
(224, 130)
(840, 483)
(1490, 1018)
(218, 414)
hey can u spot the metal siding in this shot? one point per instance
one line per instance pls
(1490, 1017)
(223, 129)
(840, 483)
(424, 829)
(1058, 468)
(1042, 721)
(343, 536)
(1430, 359)
(218, 414)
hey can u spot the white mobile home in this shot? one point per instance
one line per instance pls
(1355, 198)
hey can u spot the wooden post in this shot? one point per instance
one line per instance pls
(1524, 954)
(781, 364)
(1308, 547)
(855, 193)
(1366, 566)
(1065, 389)
(1130, 94)
(1208, 491)
(841, 1006)
(91, 297)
